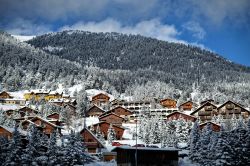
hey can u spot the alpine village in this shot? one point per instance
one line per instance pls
(105, 129)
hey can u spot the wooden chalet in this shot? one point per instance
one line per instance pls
(177, 115)
(95, 111)
(91, 142)
(46, 126)
(205, 112)
(187, 106)
(215, 127)
(208, 100)
(168, 103)
(229, 108)
(104, 126)
(55, 119)
(112, 118)
(5, 95)
(121, 111)
(100, 99)
(6, 132)
(53, 116)
(26, 111)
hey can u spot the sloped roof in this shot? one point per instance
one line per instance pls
(180, 113)
(229, 101)
(198, 109)
(109, 124)
(92, 134)
(100, 117)
(46, 121)
(95, 106)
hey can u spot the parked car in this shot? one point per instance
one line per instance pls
(139, 145)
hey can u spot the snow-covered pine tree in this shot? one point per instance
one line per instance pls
(194, 139)
(15, 149)
(205, 139)
(52, 150)
(111, 134)
(223, 151)
(247, 146)
(33, 147)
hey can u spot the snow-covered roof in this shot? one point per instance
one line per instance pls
(94, 92)
(11, 130)
(45, 120)
(36, 91)
(54, 93)
(61, 100)
(9, 107)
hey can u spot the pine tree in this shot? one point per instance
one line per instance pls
(223, 151)
(52, 149)
(247, 146)
(194, 139)
(111, 134)
(205, 139)
(15, 149)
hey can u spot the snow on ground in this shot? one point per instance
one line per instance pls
(78, 124)
(111, 163)
(129, 129)
(23, 38)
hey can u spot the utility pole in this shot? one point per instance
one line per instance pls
(136, 142)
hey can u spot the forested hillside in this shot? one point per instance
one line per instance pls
(133, 53)
(141, 67)
(24, 66)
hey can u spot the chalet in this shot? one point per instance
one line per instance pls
(187, 106)
(6, 132)
(37, 95)
(100, 99)
(53, 116)
(104, 126)
(47, 127)
(121, 111)
(91, 142)
(5, 95)
(95, 111)
(208, 100)
(55, 119)
(53, 95)
(26, 111)
(229, 108)
(178, 115)
(146, 156)
(205, 112)
(214, 127)
(168, 103)
(112, 118)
